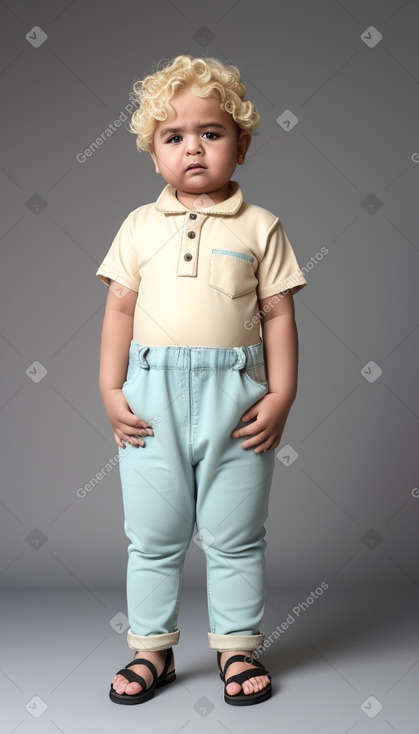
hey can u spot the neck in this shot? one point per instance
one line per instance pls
(204, 200)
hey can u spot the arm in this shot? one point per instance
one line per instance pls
(117, 331)
(280, 341)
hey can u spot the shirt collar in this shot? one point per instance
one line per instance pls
(169, 204)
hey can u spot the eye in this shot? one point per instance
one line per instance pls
(173, 140)
(214, 135)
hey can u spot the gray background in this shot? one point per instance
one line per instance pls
(345, 177)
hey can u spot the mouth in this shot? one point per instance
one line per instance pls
(195, 166)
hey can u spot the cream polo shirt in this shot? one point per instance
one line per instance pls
(199, 273)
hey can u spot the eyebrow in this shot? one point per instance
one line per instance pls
(201, 126)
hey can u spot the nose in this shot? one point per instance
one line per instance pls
(194, 147)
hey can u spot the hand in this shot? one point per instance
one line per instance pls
(271, 413)
(127, 426)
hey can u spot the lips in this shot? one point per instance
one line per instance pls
(193, 166)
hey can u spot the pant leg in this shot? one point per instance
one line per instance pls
(233, 486)
(158, 489)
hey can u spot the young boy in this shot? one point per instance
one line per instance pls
(192, 278)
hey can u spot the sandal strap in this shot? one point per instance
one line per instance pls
(246, 674)
(241, 659)
(147, 663)
(132, 677)
(169, 656)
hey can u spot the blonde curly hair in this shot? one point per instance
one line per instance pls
(205, 77)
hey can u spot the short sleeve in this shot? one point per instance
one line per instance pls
(121, 261)
(278, 269)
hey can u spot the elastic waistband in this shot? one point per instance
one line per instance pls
(196, 358)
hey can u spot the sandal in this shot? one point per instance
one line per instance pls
(146, 693)
(244, 699)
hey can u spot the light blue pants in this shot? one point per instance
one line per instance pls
(191, 470)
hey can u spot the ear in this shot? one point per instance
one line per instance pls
(245, 138)
(155, 160)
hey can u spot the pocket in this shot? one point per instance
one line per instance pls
(257, 376)
(232, 272)
(132, 374)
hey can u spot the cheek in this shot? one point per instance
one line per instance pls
(162, 159)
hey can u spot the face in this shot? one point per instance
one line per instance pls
(197, 148)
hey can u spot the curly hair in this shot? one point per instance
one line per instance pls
(204, 77)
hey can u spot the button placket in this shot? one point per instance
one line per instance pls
(189, 251)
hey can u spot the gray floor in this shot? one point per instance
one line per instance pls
(341, 659)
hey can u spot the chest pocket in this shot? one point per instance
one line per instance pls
(232, 272)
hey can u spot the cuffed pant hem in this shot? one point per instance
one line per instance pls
(152, 642)
(235, 642)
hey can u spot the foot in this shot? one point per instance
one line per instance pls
(158, 657)
(249, 686)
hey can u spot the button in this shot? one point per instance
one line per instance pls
(192, 216)
(191, 235)
(187, 256)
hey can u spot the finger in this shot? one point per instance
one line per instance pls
(244, 430)
(134, 421)
(126, 438)
(265, 446)
(249, 430)
(252, 412)
(271, 442)
(137, 434)
(139, 426)
(134, 439)
(258, 439)
(118, 441)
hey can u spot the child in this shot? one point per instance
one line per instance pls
(185, 376)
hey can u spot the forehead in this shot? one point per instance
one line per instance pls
(187, 108)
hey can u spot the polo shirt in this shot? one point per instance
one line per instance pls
(200, 272)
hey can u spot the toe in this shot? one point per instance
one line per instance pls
(233, 688)
(121, 685)
(133, 688)
(247, 687)
(252, 685)
(118, 683)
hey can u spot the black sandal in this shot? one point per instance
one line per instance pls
(243, 699)
(146, 693)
